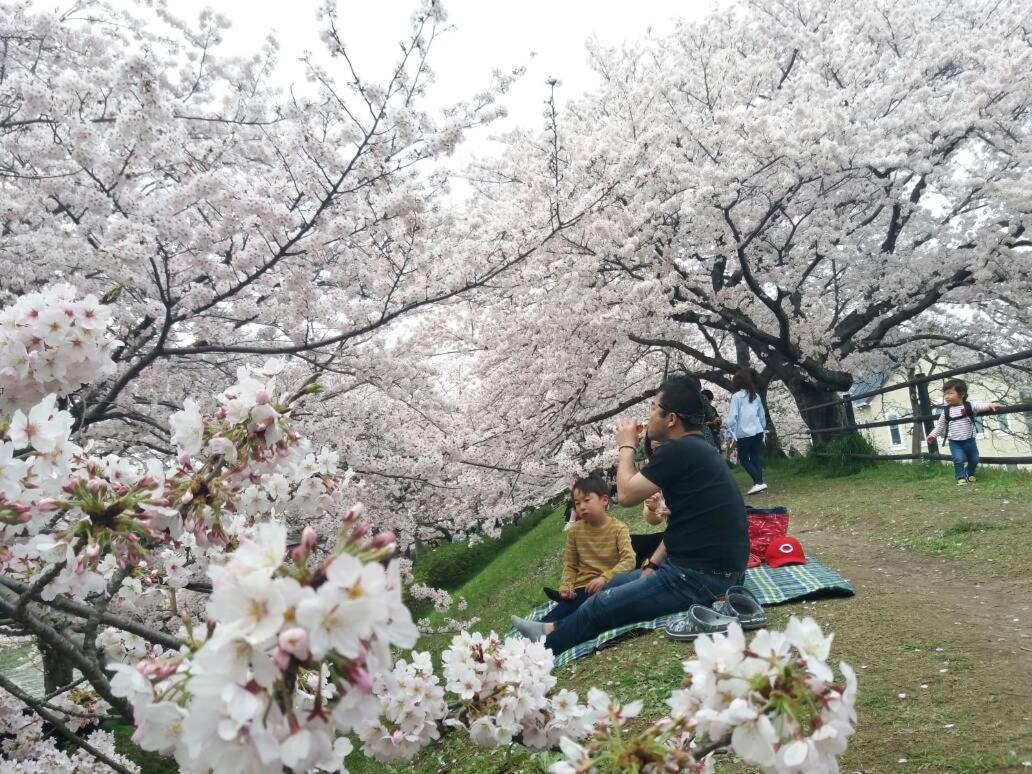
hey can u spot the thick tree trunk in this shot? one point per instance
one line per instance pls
(57, 672)
(772, 448)
(811, 398)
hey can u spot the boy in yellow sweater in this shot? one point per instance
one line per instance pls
(597, 548)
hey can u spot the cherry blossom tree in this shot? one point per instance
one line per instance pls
(233, 219)
(800, 186)
(213, 345)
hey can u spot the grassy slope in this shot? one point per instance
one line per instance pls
(916, 508)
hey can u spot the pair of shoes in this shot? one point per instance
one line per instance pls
(757, 488)
(553, 594)
(961, 482)
(972, 479)
(698, 620)
(740, 604)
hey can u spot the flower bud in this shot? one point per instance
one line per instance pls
(309, 537)
(359, 531)
(261, 397)
(186, 499)
(184, 459)
(47, 504)
(295, 642)
(385, 539)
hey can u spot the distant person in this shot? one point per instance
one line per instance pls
(645, 544)
(747, 426)
(712, 418)
(598, 547)
(706, 544)
(957, 424)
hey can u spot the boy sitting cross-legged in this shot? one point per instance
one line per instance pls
(597, 548)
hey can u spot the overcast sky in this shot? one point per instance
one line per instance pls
(487, 34)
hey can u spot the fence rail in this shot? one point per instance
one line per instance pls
(926, 417)
(1025, 354)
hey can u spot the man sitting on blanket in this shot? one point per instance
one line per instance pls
(706, 544)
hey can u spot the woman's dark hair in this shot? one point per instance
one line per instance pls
(590, 485)
(745, 380)
(681, 394)
(707, 394)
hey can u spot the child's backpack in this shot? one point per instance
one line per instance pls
(969, 415)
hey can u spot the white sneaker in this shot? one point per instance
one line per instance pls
(757, 488)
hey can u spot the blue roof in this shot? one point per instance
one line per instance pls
(860, 386)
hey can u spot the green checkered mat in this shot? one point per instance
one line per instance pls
(770, 585)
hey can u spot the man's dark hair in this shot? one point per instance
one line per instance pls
(707, 394)
(681, 394)
(956, 384)
(591, 485)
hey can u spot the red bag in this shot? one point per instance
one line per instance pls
(765, 524)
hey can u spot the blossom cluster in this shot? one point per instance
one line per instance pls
(503, 687)
(287, 668)
(775, 696)
(772, 700)
(154, 522)
(52, 342)
(413, 706)
(27, 748)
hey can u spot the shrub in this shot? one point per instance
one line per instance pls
(836, 458)
(450, 565)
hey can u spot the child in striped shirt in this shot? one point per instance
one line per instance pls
(597, 548)
(957, 425)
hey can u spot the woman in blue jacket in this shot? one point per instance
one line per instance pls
(747, 426)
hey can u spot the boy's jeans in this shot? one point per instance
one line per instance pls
(629, 598)
(566, 607)
(964, 451)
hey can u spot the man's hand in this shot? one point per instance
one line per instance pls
(993, 407)
(929, 440)
(653, 501)
(627, 433)
(567, 593)
(595, 585)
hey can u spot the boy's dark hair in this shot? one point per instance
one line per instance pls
(681, 394)
(956, 384)
(707, 394)
(590, 485)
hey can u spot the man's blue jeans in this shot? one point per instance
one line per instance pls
(965, 451)
(629, 598)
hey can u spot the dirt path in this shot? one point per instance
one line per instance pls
(939, 651)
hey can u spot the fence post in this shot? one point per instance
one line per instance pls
(850, 416)
(926, 410)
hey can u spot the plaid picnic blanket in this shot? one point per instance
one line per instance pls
(770, 586)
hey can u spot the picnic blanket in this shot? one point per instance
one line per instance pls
(770, 586)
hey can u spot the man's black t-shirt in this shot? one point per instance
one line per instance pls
(707, 529)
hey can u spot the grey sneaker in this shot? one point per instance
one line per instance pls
(739, 603)
(698, 620)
